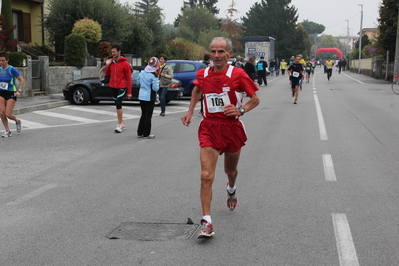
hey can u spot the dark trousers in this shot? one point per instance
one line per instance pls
(147, 109)
(262, 76)
(329, 73)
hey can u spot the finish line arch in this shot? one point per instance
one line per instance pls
(330, 50)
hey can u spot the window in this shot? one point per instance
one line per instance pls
(23, 30)
(185, 67)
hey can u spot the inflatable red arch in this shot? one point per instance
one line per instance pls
(330, 50)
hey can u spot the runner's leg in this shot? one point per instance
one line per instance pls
(208, 158)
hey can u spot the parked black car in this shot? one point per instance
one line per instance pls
(83, 91)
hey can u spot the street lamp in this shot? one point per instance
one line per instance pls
(361, 33)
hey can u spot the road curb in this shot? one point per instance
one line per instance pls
(43, 106)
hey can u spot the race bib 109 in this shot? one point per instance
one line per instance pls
(216, 102)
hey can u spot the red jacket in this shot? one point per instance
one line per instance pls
(120, 73)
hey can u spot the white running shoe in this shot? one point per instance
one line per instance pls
(18, 125)
(118, 129)
(206, 229)
(6, 134)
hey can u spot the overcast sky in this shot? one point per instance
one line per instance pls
(330, 13)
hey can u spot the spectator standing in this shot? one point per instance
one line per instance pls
(206, 62)
(250, 68)
(272, 67)
(120, 72)
(167, 72)
(261, 67)
(149, 85)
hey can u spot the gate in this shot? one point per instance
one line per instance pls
(36, 78)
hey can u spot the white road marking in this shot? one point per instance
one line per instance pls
(31, 125)
(27, 125)
(346, 248)
(32, 194)
(322, 126)
(352, 78)
(68, 117)
(101, 112)
(329, 171)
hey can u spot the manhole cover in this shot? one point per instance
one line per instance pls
(154, 231)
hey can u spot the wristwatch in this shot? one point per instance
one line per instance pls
(19, 90)
(242, 110)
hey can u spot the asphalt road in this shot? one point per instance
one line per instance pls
(318, 183)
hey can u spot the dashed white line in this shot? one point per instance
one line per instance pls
(322, 126)
(346, 248)
(31, 195)
(329, 171)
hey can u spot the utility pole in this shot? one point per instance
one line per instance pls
(396, 63)
(361, 35)
(347, 39)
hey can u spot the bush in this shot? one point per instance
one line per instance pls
(57, 64)
(16, 59)
(47, 50)
(89, 28)
(75, 50)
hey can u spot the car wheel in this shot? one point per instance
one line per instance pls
(80, 96)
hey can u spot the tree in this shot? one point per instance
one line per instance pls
(151, 14)
(191, 18)
(277, 19)
(139, 37)
(75, 50)
(208, 4)
(312, 27)
(387, 28)
(5, 33)
(89, 28)
(233, 29)
(64, 13)
(365, 42)
(6, 10)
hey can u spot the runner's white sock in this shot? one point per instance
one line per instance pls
(207, 218)
(231, 189)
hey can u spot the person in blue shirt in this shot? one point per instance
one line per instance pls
(9, 93)
(149, 85)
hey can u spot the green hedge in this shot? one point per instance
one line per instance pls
(75, 50)
(16, 59)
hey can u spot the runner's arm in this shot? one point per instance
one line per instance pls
(232, 110)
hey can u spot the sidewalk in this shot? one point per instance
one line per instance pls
(34, 103)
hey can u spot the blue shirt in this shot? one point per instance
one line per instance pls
(7, 78)
(146, 80)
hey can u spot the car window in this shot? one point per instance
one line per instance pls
(186, 67)
(172, 66)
